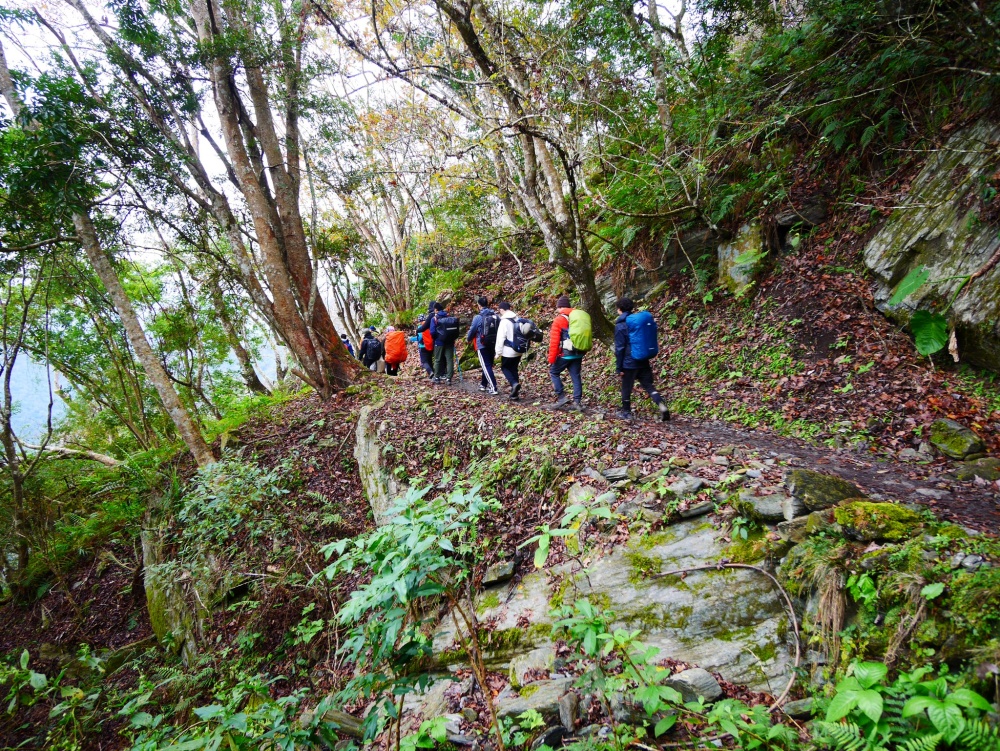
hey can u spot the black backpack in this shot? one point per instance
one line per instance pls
(371, 351)
(448, 330)
(525, 332)
(488, 328)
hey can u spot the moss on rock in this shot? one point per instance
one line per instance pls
(954, 440)
(869, 521)
(819, 491)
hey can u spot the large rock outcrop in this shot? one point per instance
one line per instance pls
(938, 226)
(380, 486)
(732, 621)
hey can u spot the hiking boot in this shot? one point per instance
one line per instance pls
(623, 415)
(561, 401)
(515, 392)
(664, 412)
(491, 392)
(576, 406)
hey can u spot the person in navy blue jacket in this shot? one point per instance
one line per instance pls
(630, 370)
(482, 334)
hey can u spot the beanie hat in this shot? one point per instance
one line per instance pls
(390, 329)
(563, 302)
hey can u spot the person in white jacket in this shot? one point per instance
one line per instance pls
(510, 358)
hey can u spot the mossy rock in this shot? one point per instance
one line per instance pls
(867, 521)
(819, 491)
(987, 469)
(954, 440)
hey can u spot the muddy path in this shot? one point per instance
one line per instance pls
(930, 484)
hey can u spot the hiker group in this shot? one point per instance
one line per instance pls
(503, 337)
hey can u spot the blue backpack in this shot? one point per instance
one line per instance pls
(642, 335)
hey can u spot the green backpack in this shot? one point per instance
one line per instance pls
(580, 333)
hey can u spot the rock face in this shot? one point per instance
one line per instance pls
(739, 259)
(816, 490)
(936, 226)
(643, 284)
(695, 683)
(542, 696)
(954, 440)
(721, 620)
(380, 487)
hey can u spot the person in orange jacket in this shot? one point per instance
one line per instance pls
(560, 361)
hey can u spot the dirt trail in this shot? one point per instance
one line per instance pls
(964, 503)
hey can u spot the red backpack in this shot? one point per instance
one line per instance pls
(428, 341)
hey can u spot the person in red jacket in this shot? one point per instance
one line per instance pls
(560, 361)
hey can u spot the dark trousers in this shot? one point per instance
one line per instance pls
(508, 366)
(573, 366)
(392, 368)
(486, 359)
(444, 360)
(644, 375)
(427, 360)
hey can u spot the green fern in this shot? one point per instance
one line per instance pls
(841, 736)
(924, 743)
(979, 735)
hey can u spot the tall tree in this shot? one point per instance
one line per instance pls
(162, 63)
(78, 209)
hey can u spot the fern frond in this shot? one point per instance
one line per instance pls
(924, 743)
(979, 735)
(840, 736)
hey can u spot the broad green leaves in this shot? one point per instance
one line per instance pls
(930, 331)
(932, 591)
(910, 284)
(944, 709)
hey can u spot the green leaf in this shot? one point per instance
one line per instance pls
(930, 332)
(210, 712)
(947, 718)
(870, 673)
(142, 720)
(542, 554)
(870, 702)
(841, 705)
(37, 680)
(932, 591)
(664, 725)
(964, 697)
(24, 659)
(918, 704)
(910, 284)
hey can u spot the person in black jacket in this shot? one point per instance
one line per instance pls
(629, 370)
(371, 350)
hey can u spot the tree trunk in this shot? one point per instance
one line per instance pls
(277, 221)
(186, 427)
(235, 343)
